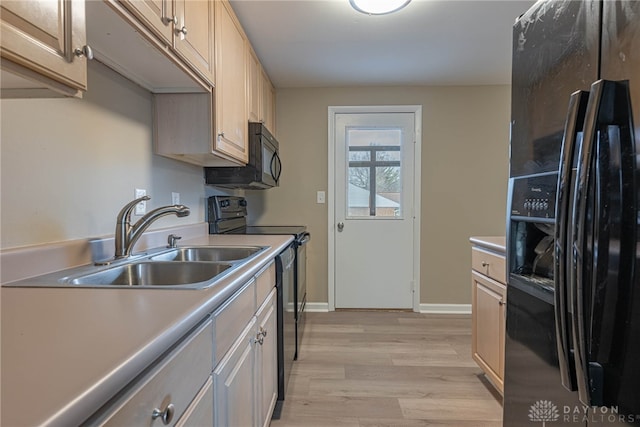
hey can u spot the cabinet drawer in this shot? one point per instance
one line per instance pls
(200, 413)
(230, 319)
(489, 263)
(175, 380)
(265, 282)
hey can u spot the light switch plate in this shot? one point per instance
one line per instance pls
(175, 198)
(320, 197)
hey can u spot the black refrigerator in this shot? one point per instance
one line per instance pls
(572, 347)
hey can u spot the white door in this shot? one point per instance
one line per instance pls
(374, 209)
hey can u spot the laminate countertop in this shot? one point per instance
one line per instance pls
(67, 351)
(494, 243)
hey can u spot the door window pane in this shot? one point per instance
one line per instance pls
(383, 156)
(388, 191)
(374, 169)
(358, 192)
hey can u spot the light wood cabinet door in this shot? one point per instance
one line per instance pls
(194, 34)
(234, 382)
(157, 15)
(231, 96)
(268, 104)
(254, 85)
(41, 36)
(488, 326)
(267, 360)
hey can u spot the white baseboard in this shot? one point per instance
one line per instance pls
(318, 307)
(323, 307)
(445, 308)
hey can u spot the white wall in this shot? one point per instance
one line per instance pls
(69, 165)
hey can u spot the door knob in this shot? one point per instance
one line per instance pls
(340, 226)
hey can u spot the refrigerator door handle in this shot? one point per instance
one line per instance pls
(579, 238)
(604, 207)
(563, 259)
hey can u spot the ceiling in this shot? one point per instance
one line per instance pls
(322, 43)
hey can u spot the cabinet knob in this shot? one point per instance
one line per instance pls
(166, 20)
(166, 416)
(182, 31)
(84, 51)
(502, 302)
(485, 264)
(221, 134)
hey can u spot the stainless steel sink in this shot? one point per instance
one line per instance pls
(189, 267)
(153, 274)
(210, 253)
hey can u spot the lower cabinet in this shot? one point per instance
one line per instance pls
(267, 360)
(200, 412)
(489, 299)
(488, 327)
(223, 373)
(234, 382)
(245, 380)
(165, 392)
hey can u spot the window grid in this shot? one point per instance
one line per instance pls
(372, 164)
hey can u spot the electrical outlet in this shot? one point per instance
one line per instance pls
(175, 198)
(141, 208)
(320, 197)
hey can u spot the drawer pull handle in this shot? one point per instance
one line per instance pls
(485, 264)
(166, 416)
(502, 302)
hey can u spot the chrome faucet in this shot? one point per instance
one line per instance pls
(127, 235)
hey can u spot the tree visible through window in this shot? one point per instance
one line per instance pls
(375, 186)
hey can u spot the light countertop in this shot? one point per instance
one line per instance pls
(66, 351)
(495, 243)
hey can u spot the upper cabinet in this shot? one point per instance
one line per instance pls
(260, 93)
(254, 85)
(231, 95)
(194, 35)
(212, 129)
(43, 46)
(186, 25)
(157, 15)
(166, 46)
(268, 104)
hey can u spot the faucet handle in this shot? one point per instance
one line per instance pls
(171, 240)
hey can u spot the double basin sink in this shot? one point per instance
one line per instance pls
(194, 267)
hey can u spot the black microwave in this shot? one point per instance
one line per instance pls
(263, 169)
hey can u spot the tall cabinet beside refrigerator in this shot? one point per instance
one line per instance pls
(573, 294)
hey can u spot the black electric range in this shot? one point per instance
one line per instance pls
(228, 215)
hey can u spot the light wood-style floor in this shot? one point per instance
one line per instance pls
(377, 368)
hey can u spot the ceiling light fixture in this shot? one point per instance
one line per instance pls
(378, 7)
